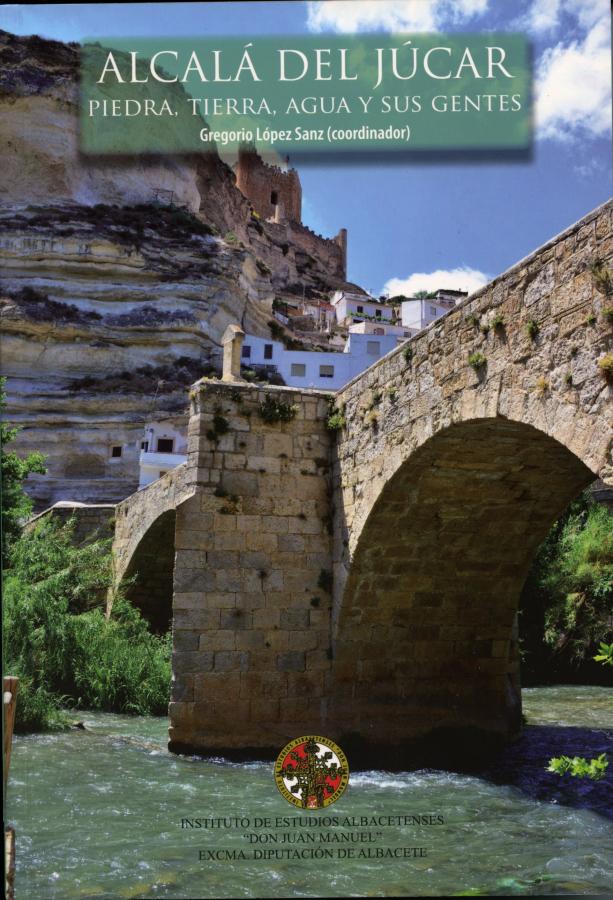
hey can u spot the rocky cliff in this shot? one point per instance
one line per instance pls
(113, 302)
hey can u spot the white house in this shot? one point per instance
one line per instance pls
(323, 313)
(418, 313)
(310, 369)
(351, 308)
(162, 448)
(379, 328)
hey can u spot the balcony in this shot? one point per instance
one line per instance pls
(161, 460)
(154, 465)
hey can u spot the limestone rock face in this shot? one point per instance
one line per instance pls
(41, 161)
(104, 327)
(113, 305)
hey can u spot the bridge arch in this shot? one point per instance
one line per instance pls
(424, 624)
(149, 575)
(143, 545)
(367, 590)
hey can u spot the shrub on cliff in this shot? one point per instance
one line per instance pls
(59, 643)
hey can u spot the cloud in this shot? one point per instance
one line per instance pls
(589, 168)
(573, 76)
(543, 16)
(390, 15)
(461, 279)
(573, 85)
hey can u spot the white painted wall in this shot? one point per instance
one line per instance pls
(298, 368)
(325, 371)
(418, 314)
(158, 458)
(381, 328)
(354, 305)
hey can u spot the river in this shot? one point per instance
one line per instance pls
(98, 814)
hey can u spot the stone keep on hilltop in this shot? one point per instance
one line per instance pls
(120, 276)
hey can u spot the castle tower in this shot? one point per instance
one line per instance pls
(341, 241)
(275, 194)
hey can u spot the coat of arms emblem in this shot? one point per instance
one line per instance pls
(311, 772)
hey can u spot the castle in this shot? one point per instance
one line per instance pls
(275, 194)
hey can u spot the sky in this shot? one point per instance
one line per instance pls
(420, 223)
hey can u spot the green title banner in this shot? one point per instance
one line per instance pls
(327, 93)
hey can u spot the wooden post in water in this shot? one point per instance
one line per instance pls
(9, 863)
(10, 688)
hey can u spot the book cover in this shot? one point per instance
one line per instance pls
(306, 422)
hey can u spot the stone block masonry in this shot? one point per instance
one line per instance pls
(251, 620)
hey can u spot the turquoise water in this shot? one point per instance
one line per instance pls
(98, 814)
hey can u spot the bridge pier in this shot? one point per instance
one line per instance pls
(251, 617)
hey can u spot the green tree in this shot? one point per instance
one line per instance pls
(60, 644)
(16, 505)
(605, 654)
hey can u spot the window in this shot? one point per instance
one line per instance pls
(165, 445)
(326, 371)
(144, 445)
(246, 351)
(360, 309)
(274, 198)
(433, 310)
(373, 348)
(116, 452)
(268, 351)
(299, 370)
(378, 331)
(378, 314)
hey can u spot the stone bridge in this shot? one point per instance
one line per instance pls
(363, 582)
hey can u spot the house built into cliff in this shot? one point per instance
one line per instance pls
(164, 447)
(374, 331)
